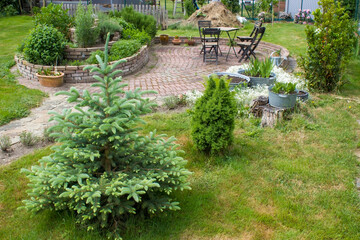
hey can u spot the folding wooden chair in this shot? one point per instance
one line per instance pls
(248, 48)
(210, 48)
(257, 25)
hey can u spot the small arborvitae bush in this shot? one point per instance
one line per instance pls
(103, 170)
(45, 45)
(54, 15)
(28, 139)
(331, 43)
(213, 120)
(86, 34)
(5, 143)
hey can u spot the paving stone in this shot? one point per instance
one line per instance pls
(358, 183)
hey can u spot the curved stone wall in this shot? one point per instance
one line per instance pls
(75, 74)
(264, 47)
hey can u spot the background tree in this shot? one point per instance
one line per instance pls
(330, 46)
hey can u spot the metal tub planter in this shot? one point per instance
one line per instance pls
(281, 100)
(259, 80)
(236, 79)
(303, 95)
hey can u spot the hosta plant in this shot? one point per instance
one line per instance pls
(104, 170)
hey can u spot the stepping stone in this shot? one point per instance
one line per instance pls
(358, 121)
(357, 153)
(358, 183)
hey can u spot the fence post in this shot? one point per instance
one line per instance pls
(302, 1)
(357, 11)
(253, 9)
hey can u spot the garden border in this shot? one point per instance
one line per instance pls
(263, 46)
(76, 74)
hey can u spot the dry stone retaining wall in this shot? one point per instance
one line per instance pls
(76, 74)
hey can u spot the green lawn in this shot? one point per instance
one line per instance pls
(290, 35)
(15, 100)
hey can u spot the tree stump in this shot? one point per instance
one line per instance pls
(269, 115)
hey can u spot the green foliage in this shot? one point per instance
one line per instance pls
(5, 143)
(136, 34)
(107, 25)
(92, 59)
(350, 6)
(259, 68)
(213, 119)
(28, 139)
(120, 49)
(284, 88)
(330, 46)
(124, 48)
(86, 33)
(45, 45)
(265, 5)
(47, 137)
(54, 15)
(103, 170)
(232, 5)
(8, 11)
(141, 21)
(171, 102)
(190, 8)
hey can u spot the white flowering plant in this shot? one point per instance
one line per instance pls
(244, 96)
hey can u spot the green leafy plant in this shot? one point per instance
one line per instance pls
(141, 21)
(92, 59)
(232, 5)
(284, 88)
(107, 25)
(330, 46)
(28, 139)
(54, 15)
(47, 136)
(5, 143)
(190, 8)
(259, 68)
(45, 45)
(9, 10)
(213, 119)
(104, 170)
(48, 72)
(86, 34)
(266, 5)
(136, 34)
(171, 102)
(124, 48)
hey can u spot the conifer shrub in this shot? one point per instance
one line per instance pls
(107, 25)
(104, 170)
(331, 44)
(45, 45)
(213, 119)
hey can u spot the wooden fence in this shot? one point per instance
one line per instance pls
(159, 13)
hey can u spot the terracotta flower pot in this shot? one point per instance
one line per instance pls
(164, 39)
(176, 41)
(51, 81)
(190, 42)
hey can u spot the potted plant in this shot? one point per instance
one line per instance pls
(190, 41)
(303, 95)
(164, 39)
(235, 80)
(176, 40)
(48, 78)
(283, 95)
(259, 72)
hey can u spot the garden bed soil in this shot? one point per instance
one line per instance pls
(17, 151)
(217, 13)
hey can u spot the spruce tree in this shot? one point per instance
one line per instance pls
(104, 170)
